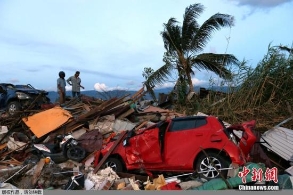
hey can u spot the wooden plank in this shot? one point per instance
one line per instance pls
(110, 151)
(127, 113)
(9, 152)
(38, 171)
(138, 94)
(141, 125)
(86, 107)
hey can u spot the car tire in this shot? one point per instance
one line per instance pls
(115, 164)
(13, 107)
(203, 164)
(76, 153)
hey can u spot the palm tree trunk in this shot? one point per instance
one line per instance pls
(189, 80)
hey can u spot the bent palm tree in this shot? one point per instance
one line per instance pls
(183, 43)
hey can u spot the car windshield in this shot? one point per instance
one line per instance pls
(24, 86)
(10, 86)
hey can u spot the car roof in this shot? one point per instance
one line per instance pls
(189, 118)
(6, 84)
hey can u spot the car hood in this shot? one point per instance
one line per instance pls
(31, 91)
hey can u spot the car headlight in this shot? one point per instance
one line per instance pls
(22, 95)
(73, 142)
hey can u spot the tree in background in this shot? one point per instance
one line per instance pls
(183, 45)
(146, 74)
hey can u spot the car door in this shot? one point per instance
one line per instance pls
(183, 140)
(144, 148)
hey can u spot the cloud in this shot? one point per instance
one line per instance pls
(131, 83)
(100, 87)
(68, 88)
(165, 85)
(13, 80)
(196, 82)
(261, 3)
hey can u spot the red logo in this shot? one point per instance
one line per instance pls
(243, 174)
(257, 174)
(271, 174)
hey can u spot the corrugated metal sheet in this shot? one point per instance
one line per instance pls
(281, 141)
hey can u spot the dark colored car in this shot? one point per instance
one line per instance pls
(19, 97)
(184, 144)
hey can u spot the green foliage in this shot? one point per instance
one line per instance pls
(148, 71)
(264, 93)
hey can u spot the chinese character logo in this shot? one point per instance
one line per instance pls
(271, 174)
(243, 174)
(257, 174)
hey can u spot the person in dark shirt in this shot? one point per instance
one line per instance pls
(61, 87)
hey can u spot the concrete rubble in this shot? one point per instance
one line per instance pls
(95, 123)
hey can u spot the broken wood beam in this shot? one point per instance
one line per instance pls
(118, 109)
(103, 107)
(9, 152)
(121, 136)
(127, 113)
(138, 94)
(141, 125)
(37, 171)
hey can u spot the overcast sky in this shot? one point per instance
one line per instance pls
(110, 42)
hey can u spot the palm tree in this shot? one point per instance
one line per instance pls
(184, 43)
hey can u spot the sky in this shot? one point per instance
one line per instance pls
(111, 42)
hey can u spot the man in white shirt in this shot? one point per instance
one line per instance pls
(75, 82)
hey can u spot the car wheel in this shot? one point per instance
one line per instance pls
(205, 166)
(13, 107)
(76, 153)
(114, 163)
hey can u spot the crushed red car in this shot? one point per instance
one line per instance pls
(184, 144)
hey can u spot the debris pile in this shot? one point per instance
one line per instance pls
(74, 147)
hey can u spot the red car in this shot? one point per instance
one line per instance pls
(183, 144)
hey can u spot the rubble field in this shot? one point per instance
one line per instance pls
(84, 126)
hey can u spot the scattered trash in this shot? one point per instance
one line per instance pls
(130, 144)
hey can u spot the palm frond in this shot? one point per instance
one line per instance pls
(172, 36)
(204, 33)
(160, 75)
(190, 25)
(216, 63)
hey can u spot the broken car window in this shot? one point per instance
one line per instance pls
(187, 124)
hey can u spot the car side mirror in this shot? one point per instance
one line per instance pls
(125, 142)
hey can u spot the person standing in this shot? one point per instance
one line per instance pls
(75, 82)
(61, 87)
